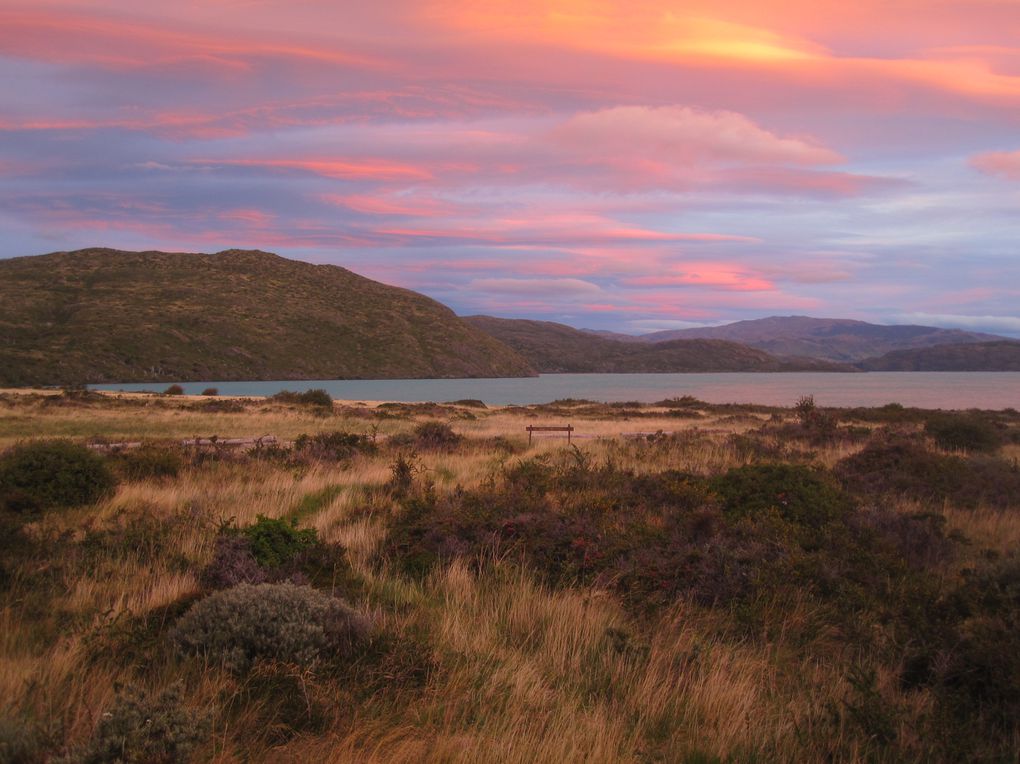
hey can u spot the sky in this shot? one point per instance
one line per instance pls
(632, 166)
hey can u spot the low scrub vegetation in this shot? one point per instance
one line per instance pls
(964, 432)
(404, 583)
(52, 474)
(314, 397)
(275, 622)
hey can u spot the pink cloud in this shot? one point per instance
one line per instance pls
(338, 168)
(397, 204)
(714, 275)
(682, 136)
(1004, 164)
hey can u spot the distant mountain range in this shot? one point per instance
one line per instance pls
(102, 315)
(834, 339)
(1001, 355)
(555, 348)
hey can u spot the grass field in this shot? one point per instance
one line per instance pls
(734, 584)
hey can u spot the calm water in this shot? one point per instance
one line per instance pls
(948, 390)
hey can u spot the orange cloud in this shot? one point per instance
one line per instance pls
(772, 36)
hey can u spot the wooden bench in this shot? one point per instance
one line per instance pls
(568, 429)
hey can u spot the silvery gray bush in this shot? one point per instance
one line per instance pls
(284, 622)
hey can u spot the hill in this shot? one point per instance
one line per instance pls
(833, 339)
(557, 348)
(974, 356)
(101, 315)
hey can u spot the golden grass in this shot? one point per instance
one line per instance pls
(524, 673)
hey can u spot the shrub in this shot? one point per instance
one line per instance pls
(146, 728)
(964, 432)
(472, 403)
(148, 461)
(315, 397)
(233, 563)
(904, 469)
(274, 551)
(334, 446)
(52, 473)
(282, 622)
(210, 391)
(436, 435)
(403, 472)
(174, 390)
(275, 542)
(801, 495)
(684, 401)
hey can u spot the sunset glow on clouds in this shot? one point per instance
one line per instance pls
(622, 165)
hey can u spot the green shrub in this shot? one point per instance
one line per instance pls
(211, 391)
(964, 432)
(334, 446)
(146, 728)
(894, 469)
(315, 397)
(275, 542)
(281, 622)
(52, 473)
(801, 495)
(174, 390)
(436, 435)
(148, 461)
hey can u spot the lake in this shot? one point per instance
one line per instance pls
(947, 390)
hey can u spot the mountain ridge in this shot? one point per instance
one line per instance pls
(557, 348)
(104, 315)
(836, 339)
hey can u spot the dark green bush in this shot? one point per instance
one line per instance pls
(148, 461)
(799, 494)
(275, 542)
(174, 390)
(897, 468)
(52, 473)
(281, 622)
(146, 728)
(314, 397)
(436, 435)
(211, 391)
(964, 432)
(334, 446)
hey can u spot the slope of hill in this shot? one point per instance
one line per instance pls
(556, 348)
(830, 338)
(973, 356)
(100, 315)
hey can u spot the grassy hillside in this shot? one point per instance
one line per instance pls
(100, 315)
(828, 338)
(973, 356)
(555, 348)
